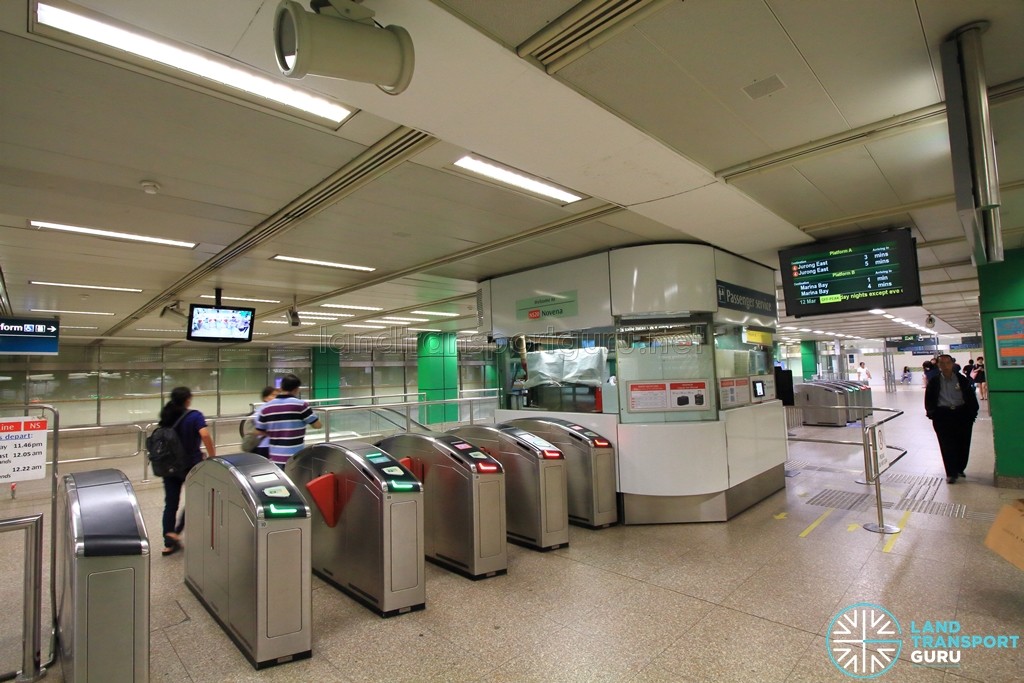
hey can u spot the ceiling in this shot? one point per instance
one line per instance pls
(655, 119)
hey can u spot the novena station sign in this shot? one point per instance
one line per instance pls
(22, 336)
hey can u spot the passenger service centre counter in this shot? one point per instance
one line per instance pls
(663, 349)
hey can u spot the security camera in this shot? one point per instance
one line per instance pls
(173, 308)
(339, 40)
(293, 317)
(929, 322)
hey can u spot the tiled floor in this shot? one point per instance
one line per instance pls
(747, 600)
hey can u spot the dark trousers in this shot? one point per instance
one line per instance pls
(953, 429)
(172, 497)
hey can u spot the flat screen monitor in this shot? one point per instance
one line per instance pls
(220, 324)
(859, 273)
(758, 388)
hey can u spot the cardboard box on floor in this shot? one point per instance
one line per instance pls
(1006, 537)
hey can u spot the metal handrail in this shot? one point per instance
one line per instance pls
(128, 427)
(33, 600)
(471, 401)
(317, 402)
(869, 442)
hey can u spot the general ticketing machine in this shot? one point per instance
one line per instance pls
(103, 579)
(589, 465)
(367, 523)
(248, 555)
(463, 501)
(535, 483)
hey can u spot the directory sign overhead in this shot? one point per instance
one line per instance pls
(21, 336)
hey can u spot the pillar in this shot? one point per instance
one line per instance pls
(808, 359)
(325, 380)
(438, 375)
(1001, 295)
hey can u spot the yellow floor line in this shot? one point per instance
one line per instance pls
(816, 522)
(892, 540)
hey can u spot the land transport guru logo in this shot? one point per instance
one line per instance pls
(864, 641)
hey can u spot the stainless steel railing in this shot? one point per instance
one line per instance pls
(31, 670)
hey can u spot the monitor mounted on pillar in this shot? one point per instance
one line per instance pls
(877, 270)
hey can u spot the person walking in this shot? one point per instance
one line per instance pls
(950, 403)
(863, 374)
(191, 428)
(284, 419)
(260, 442)
(979, 378)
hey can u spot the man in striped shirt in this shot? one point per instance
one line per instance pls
(284, 420)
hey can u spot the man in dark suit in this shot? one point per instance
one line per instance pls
(951, 405)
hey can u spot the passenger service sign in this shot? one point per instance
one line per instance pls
(24, 336)
(22, 449)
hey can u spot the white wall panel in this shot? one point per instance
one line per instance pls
(681, 459)
(663, 278)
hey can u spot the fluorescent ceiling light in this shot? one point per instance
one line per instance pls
(352, 308)
(111, 234)
(262, 334)
(789, 328)
(523, 182)
(305, 335)
(876, 311)
(273, 322)
(888, 315)
(366, 327)
(422, 329)
(328, 264)
(898, 320)
(468, 331)
(324, 316)
(817, 332)
(207, 66)
(77, 327)
(805, 329)
(396, 319)
(445, 315)
(51, 310)
(67, 284)
(155, 329)
(241, 298)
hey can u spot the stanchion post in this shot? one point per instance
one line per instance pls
(871, 465)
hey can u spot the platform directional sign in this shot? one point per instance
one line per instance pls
(22, 336)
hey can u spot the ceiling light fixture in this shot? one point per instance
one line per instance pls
(440, 313)
(207, 66)
(422, 329)
(240, 298)
(876, 311)
(352, 308)
(111, 234)
(156, 329)
(53, 310)
(77, 327)
(273, 322)
(396, 319)
(366, 327)
(327, 264)
(491, 170)
(68, 284)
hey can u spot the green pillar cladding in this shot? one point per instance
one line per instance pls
(809, 359)
(438, 376)
(326, 375)
(1001, 295)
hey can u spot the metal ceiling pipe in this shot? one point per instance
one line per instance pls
(972, 146)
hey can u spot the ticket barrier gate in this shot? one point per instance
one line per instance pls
(862, 397)
(589, 466)
(814, 399)
(463, 502)
(367, 524)
(535, 483)
(103, 579)
(247, 556)
(852, 399)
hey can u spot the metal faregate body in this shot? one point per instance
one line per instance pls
(247, 555)
(535, 483)
(463, 501)
(814, 401)
(103, 592)
(367, 523)
(589, 465)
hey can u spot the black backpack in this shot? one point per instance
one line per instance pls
(166, 452)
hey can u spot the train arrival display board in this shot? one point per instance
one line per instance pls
(853, 274)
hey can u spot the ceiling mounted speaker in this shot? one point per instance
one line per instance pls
(339, 40)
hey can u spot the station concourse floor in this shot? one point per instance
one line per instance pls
(747, 600)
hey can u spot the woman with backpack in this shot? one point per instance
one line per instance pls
(190, 426)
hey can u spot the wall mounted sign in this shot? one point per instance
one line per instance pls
(1009, 341)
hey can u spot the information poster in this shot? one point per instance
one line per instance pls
(734, 392)
(1009, 337)
(22, 449)
(667, 395)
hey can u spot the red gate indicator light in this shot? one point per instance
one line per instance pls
(487, 467)
(602, 443)
(551, 454)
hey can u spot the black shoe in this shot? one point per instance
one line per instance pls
(962, 474)
(951, 480)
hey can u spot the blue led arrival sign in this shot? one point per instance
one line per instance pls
(22, 336)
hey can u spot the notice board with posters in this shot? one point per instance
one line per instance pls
(667, 395)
